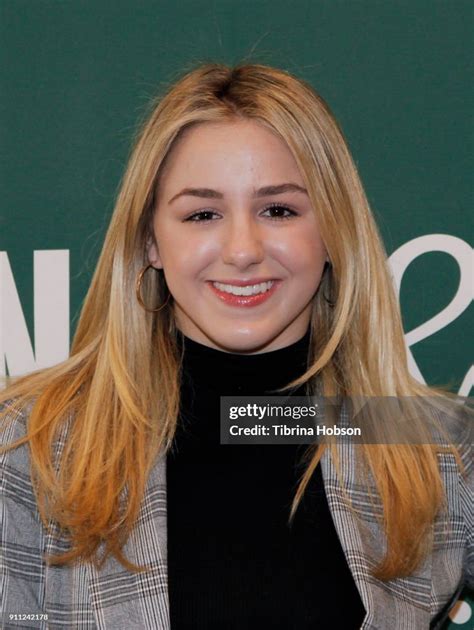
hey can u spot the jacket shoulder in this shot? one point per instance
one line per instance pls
(15, 462)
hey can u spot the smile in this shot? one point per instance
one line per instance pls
(251, 289)
(248, 295)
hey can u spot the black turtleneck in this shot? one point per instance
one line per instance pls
(233, 560)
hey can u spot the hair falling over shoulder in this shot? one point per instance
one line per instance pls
(118, 393)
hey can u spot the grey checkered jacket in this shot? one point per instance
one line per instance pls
(82, 597)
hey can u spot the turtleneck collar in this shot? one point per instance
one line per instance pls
(232, 373)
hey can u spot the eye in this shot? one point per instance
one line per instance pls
(277, 209)
(201, 216)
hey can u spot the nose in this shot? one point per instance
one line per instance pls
(242, 245)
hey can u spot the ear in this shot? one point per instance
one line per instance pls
(153, 256)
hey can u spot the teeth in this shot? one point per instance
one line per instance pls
(250, 289)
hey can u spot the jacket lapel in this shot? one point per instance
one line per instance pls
(400, 604)
(347, 527)
(122, 599)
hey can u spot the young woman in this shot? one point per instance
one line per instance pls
(242, 259)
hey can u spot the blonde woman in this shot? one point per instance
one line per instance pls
(242, 258)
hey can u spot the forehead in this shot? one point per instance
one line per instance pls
(224, 150)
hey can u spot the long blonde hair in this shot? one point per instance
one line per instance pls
(120, 387)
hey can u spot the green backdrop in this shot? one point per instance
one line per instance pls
(76, 77)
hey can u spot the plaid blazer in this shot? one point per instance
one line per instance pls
(115, 599)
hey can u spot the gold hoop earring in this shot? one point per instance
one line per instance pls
(138, 291)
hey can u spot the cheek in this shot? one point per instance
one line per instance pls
(186, 258)
(302, 252)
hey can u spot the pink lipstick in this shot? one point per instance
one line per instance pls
(244, 300)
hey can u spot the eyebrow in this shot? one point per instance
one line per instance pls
(266, 191)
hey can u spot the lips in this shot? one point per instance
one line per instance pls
(258, 292)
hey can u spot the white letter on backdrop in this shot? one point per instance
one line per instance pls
(463, 255)
(51, 315)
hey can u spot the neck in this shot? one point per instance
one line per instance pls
(234, 373)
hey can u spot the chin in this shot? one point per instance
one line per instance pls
(245, 342)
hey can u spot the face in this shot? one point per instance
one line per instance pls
(237, 238)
